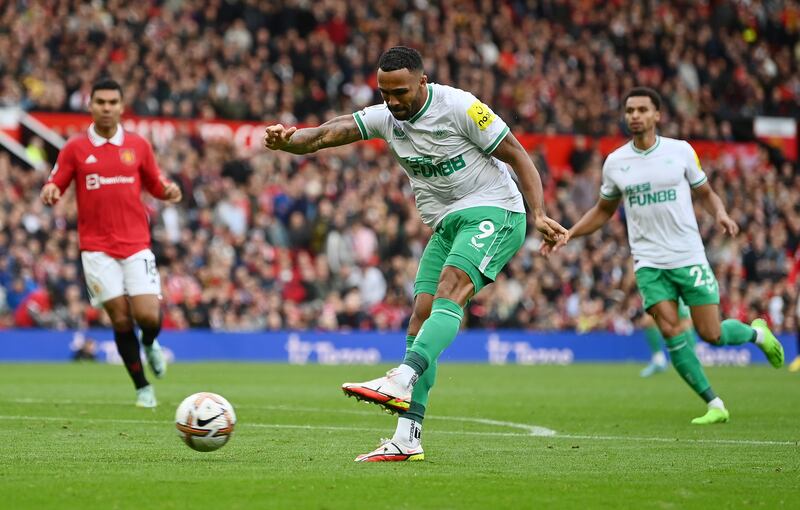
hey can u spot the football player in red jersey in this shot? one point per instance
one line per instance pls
(110, 166)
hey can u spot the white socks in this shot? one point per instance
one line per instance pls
(717, 402)
(405, 375)
(408, 433)
(759, 336)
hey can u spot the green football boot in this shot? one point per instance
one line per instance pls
(772, 348)
(713, 415)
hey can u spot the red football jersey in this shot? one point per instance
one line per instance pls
(109, 174)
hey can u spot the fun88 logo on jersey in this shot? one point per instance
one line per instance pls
(425, 167)
(94, 181)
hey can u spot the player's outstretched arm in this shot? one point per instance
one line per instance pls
(340, 130)
(511, 152)
(713, 204)
(593, 219)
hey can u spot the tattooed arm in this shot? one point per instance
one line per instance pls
(340, 130)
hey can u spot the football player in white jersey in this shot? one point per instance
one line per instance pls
(655, 178)
(455, 151)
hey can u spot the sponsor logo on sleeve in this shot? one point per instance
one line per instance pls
(481, 115)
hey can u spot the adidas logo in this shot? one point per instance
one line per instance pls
(91, 159)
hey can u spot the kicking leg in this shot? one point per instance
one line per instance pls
(394, 391)
(406, 444)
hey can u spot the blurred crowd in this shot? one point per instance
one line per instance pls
(268, 241)
(544, 65)
(330, 241)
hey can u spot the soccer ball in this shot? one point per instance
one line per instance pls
(205, 421)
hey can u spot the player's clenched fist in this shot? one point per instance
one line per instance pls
(50, 194)
(276, 137)
(172, 193)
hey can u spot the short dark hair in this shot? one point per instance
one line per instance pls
(106, 84)
(400, 57)
(645, 92)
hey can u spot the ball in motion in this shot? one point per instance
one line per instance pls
(205, 421)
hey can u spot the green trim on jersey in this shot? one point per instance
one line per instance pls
(699, 183)
(361, 127)
(648, 151)
(424, 107)
(490, 149)
(610, 197)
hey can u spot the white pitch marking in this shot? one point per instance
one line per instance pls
(740, 442)
(69, 419)
(531, 430)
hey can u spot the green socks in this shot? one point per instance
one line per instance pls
(422, 351)
(435, 334)
(653, 337)
(736, 333)
(688, 366)
(419, 398)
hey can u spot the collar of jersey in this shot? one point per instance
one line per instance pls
(98, 140)
(648, 151)
(424, 107)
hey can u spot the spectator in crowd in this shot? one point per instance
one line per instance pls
(560, 70)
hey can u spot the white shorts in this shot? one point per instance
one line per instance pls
(108, 278)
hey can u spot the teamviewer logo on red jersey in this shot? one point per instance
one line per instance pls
(94, 181)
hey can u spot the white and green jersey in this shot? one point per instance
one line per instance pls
(446, 151)
(656, 188)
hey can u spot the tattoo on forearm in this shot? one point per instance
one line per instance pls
(338, 131)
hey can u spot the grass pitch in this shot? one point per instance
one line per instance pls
(73, 439)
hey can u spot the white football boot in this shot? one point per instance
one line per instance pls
(146, 397)
(392, 451)
(156, 359)
(387, 391)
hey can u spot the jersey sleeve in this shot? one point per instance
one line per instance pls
(694, 171)
(152, 180)
(64, 170)
(479, 123)
(371, 122)
(608, 188)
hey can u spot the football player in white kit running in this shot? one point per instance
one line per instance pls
(655, 178)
